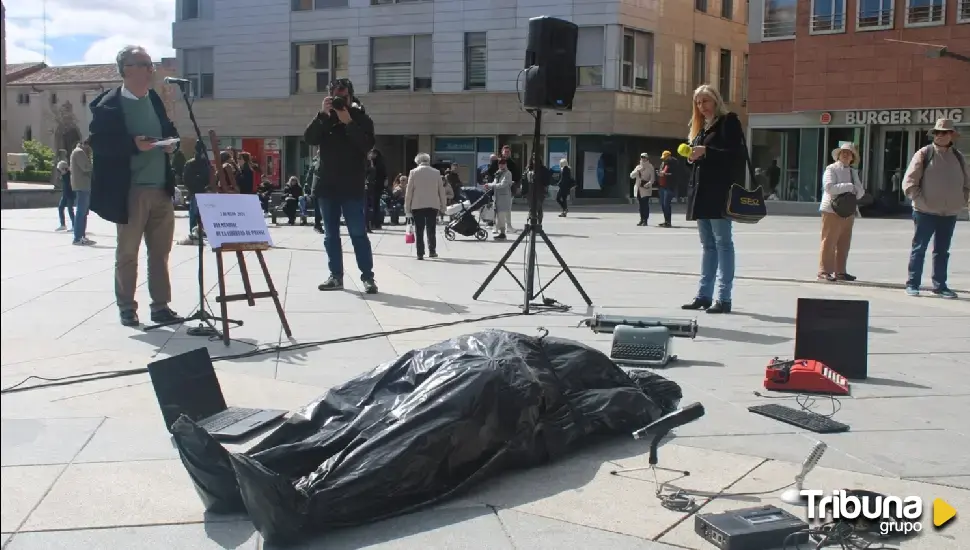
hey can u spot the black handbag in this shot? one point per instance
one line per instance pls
(743, 205)
(845, 204)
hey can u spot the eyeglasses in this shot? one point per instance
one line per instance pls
(141, 64)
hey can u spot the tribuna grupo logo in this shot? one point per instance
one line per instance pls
(893, 515)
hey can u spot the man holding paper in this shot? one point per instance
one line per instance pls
(132, 182)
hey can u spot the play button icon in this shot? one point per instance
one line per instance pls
(942, 512)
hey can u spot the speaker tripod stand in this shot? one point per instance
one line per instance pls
(532, 231)
(207, 321)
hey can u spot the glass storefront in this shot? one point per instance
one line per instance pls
(788, 163)
(471, 154)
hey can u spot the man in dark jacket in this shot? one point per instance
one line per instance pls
(132, 183)
(345, 135)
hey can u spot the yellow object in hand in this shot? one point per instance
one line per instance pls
(684, 150)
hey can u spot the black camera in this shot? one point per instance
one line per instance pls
(339, 103)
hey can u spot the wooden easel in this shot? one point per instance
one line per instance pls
(227, 184)
(248, 294)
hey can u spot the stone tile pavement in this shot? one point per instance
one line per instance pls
(90, 465)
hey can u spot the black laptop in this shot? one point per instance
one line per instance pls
(187, 384)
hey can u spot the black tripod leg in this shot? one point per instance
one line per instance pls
(500, 264)
(530, 268)
(565, 268)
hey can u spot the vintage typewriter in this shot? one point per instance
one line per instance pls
(804, 375)
(641, 346)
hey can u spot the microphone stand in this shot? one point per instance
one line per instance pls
(207, 326)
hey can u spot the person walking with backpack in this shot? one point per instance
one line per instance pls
(938, 183)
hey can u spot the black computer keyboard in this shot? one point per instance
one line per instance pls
(226, 418)
(638, 352)
(803, 419)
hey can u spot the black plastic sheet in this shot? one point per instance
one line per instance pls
(420, 429)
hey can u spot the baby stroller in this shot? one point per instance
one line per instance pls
(463, 220)
(486, 209)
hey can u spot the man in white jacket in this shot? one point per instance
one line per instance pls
(643, 177)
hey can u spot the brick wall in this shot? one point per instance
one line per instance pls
(860, 70)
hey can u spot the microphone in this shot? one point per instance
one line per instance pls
(683, 149)
(793, 496)
(661, 427)
(176, 81)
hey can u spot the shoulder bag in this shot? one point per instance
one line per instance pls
(743, 205)
(846, 204)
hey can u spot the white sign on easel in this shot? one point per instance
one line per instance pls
(233, 219)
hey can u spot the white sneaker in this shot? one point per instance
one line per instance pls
(61, 228)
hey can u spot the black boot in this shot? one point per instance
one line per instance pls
(698, 303)
(720, 307)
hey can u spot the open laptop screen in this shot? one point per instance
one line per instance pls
(187, 384)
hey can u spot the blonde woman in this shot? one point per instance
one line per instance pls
(716, 161)
(565, 186)
(839, 178)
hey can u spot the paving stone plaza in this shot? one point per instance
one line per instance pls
(91, 466)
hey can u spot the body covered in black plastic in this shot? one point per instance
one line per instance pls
(421, 428)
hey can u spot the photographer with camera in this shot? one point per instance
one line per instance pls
(345, 135)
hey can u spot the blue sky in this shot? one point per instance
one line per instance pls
(86, 31)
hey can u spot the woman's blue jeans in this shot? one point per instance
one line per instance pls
(67, 202)
(717, 259)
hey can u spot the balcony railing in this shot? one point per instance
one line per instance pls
(963, 11)
(778, 29)
(922, 15)
(877, 18)
(828, 23)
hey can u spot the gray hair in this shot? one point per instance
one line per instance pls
(124, 56)
(422, 158)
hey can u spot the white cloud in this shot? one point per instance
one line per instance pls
(113, 24)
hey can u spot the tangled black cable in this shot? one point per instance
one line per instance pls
(807, 402)
(834, 534)
(257, 350)
(680, 500)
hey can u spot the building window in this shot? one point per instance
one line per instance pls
(925, 12)
(190, 10)
(828, 16)
(724, 76)
(636, 65)
(700, 65)
(700, 5)
(28, 134)
(316, 65)
(197, 69)
(53, 98)
(589, 57)
(401, 63)
(382, 2)
(744, 81)
(963, 11)
(727, 9)
(23, 99)
(476, 61)
(874, 15)
(779, 19)
(307, 5)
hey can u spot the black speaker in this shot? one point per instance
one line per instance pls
(835, 332)
(550, 62)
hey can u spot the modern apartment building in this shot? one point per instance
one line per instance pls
(441, 76)
(874, 72)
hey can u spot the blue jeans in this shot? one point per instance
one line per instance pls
(666, 197)
(301, 202)
(356, 218)
(65, 202)
(193, 214)
(83, 201)
(940, 229)
(717, 259)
